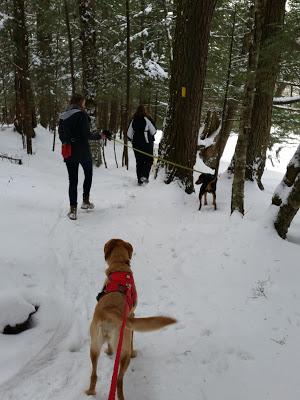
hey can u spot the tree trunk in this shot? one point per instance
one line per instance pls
(88, 53)
(5, 112)
(113, 118)
(237, 196)
(212, 154)
(156, 108)
(103, 114)
(290, 206)
(292, 171)
(125, 160)
(24, 111)
(229, 106)
(186, 89)
(167, 26)
(53, 120)
(268, 69)
(142, 94)
(88, 56)
(70, 45)
(45, 67)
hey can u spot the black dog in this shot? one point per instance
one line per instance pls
(209, 185)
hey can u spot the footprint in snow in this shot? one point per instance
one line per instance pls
(171, 303)
(281, 342)
(222, 365)
(241, 354)
(206, 332)
(179, 327)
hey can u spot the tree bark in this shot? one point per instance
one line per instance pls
(268, 69)
(293, 169)
(288, 209)
(70, 46)
(5, 111)
(103, 114)
(237, 195)
(142, 94)
(188, 72)
(212, 155)
(125, 159)
(88, 53)
(89, 64)
(168, 31)
(45, 68)
(24, 110)
(113, 117)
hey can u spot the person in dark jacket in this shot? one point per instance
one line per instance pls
(74, 131)
(141, 132)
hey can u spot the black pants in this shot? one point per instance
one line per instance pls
(143, 163)
(72, 167)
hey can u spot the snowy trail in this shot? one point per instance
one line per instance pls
(232, 284)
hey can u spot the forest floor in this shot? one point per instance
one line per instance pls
(232, 283)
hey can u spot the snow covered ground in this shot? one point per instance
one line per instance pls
(232, 284)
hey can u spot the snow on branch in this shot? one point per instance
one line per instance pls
(286, 100)
(288, 108)
(150, 68)
(147, 11)
(3, 19)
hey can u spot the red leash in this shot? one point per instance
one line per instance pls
(122, 282)
(114, 378)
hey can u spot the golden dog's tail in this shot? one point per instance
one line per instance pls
(146, 324)
(149, 323)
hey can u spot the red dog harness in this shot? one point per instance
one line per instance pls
(121, 282)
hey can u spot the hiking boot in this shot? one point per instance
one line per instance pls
(144, 180)
(72, 214)
(87, 205)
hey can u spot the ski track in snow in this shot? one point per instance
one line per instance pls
(226, 282)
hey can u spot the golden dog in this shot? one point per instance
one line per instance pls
(107, 319)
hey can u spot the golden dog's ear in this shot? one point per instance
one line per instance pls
(108, 247)
(129, 248)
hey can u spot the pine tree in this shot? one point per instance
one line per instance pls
(70, 45)
(24, 110)
(237, 197)
(45, 65)
(267, 73)
(186, 88)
